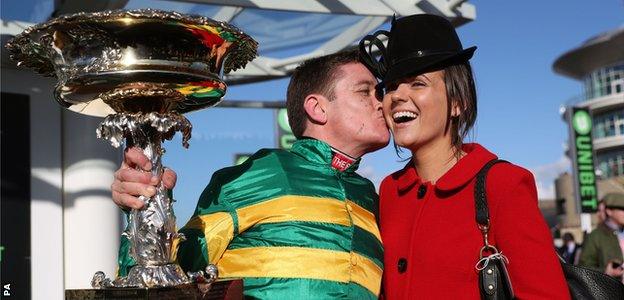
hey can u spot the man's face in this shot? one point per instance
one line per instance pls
(355, 112)
(616, 215)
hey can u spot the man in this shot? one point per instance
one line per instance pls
(570, 250)
(297, 224)
(602, 249)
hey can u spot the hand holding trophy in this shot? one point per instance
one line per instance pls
(141, 70)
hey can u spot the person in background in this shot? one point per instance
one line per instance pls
(298, 224)
(602, 215)
(603, 247)
(427, 209)
(570, 250)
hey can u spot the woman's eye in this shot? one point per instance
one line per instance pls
(418, 83)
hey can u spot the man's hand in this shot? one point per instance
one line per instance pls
(613, 271)
(130, 183)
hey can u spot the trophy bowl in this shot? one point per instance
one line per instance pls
(141, 70)
(138, 56)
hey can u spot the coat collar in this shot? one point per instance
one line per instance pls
(319, 152)
(611, 227)
(460, 174)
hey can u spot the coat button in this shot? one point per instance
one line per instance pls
(422, 190)
(402, 265)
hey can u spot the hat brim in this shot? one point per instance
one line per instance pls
(419, 65)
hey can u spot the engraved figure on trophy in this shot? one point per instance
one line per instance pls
(141, 70)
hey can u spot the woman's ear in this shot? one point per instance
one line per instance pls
(315, 107)
(456, 109)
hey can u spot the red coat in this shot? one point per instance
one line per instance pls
(432, 242)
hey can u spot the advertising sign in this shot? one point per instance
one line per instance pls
(581, 146)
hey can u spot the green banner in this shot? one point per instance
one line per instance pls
(285, 138)
(241, 158)
(583, 159)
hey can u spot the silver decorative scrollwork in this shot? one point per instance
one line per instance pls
(151, 230)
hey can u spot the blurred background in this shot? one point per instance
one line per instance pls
(536, 64)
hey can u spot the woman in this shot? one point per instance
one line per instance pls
(427, 213)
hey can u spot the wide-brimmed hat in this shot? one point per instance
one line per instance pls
(416, 44)
(614, 200)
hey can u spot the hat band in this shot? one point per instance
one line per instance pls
(421, 53)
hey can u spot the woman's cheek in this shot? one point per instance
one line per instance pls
(388, 121)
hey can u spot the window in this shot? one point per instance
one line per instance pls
(609, 124)
(605, 81)
(611, 163)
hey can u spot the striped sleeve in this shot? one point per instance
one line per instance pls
(209, 232)
(206, 238)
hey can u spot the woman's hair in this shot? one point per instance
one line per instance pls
(460, 91)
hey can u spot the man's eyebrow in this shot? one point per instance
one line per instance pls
(365, 82)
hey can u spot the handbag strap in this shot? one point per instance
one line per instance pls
(480, 196)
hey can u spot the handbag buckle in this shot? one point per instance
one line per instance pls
(488, 249)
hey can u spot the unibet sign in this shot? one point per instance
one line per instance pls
(285, 137)
(585, 178)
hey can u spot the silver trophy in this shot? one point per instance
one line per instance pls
(141, 70)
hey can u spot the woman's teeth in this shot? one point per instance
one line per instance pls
(403, 116)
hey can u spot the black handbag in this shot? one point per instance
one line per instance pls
(586, 283)
(494, 282)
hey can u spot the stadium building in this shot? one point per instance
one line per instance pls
(599, 65)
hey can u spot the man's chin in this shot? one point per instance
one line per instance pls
(379, 144)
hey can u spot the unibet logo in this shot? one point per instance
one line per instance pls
(582, 122)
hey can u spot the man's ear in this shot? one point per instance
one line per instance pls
(315, 107)
(608, 212)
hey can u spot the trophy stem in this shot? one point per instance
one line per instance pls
(152, 229)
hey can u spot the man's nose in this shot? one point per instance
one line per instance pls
(378, 104)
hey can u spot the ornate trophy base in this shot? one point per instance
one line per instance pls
(220, 289)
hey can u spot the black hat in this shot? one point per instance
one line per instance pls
(416, 44)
